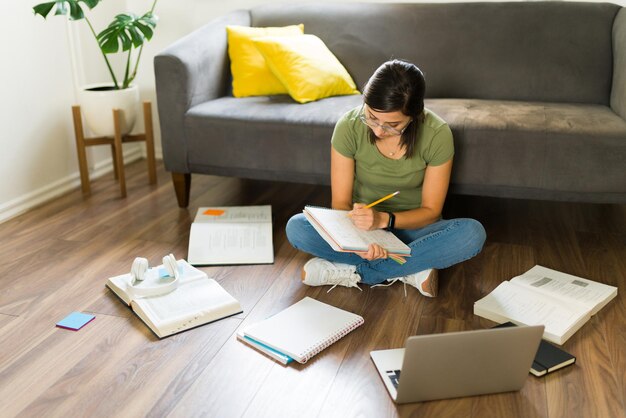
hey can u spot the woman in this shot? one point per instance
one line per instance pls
(391, 143)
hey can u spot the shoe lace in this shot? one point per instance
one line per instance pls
(341, 276)
(392, 281)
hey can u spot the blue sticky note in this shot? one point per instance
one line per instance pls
(164, 274)
(75, 321)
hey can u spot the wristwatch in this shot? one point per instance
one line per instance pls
(392, 221)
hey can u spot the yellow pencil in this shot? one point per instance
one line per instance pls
(382, 199)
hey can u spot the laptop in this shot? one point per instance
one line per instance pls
(456, 364)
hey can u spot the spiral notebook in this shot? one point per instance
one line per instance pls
(338, 230)
(302, 330)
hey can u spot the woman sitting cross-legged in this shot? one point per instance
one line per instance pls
(391, 143)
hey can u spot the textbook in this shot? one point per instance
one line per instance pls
(549, 357)
(561, 302)
(300, 331)
(338, 230)
(223, 235)
(170, 304)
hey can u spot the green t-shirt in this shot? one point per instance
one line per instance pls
(376, 176)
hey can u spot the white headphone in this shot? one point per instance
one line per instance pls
(139, 271)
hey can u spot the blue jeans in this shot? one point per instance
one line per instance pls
(438, 245)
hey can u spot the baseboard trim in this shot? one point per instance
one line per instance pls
(37, 197)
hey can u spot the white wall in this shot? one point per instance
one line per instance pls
(38, 158)
(36, 133)
(34, 129)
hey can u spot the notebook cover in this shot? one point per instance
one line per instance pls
(548, 358)
(552, 358)
(304, 329)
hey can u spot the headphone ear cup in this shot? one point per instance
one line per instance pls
(169, 262)
(139, 268)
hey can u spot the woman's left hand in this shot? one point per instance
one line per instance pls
(365, 219)
(374, 252)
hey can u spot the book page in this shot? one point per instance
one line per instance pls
(219, 243)
(234, 214)
(338, 225)
(231, 235)
(118, 285)
(592, 294)
(516, 303)
(195, 302)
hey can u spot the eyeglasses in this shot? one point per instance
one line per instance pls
(389, 130)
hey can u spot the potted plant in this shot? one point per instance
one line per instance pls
(126, 33)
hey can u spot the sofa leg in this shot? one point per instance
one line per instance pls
(182, 185)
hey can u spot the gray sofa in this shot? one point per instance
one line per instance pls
(535, 94)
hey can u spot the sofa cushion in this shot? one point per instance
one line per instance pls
(548, 51)
(251, 74)
(306, 67)
(272, 136)
(503, 144)
(499, 145)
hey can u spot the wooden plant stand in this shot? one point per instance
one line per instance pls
(116, 147)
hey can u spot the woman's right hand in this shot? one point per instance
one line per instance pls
(367, 219)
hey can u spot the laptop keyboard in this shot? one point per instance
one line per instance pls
(394, 376)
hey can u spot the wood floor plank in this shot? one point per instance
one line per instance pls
(73, 284)
(6, 319)
(390, 318)
(374, 305)
(603, 350)
(63, 252)
(238, 372)
(41, 364)
(159, 370)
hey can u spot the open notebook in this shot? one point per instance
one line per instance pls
(336, 227)
(300, 331)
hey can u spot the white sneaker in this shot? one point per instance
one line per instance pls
(426, 281)
(320, 272)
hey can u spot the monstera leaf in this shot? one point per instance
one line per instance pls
(127, 30)
(65, 7)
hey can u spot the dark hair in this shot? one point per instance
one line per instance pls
(398, 85)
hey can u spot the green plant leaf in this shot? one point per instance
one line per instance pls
(127, 31)
(65, 7)
(146, 30)
(43, 9)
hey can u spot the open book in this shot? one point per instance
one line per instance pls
(336, 227)
(300, 331)
(541, 296)
(194, 300)
(231, 235)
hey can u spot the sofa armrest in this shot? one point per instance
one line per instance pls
(192, 70)
(618, 92)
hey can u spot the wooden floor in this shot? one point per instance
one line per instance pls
(58, 257)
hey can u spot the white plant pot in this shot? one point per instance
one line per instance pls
(97, 104)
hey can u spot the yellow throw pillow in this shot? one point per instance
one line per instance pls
(251, 75)
(306, 67)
